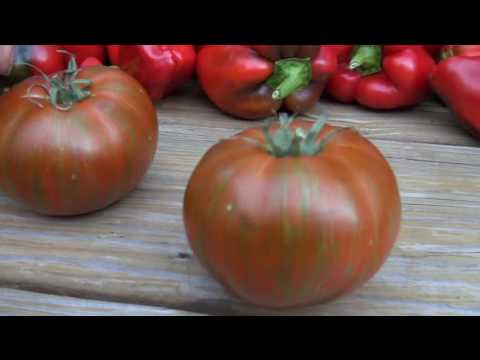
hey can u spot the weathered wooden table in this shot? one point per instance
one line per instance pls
(133, 258)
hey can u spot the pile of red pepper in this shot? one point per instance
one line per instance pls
(257, 81)
(161, 69)
(395, 76)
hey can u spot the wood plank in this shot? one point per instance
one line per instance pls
(136, 251)
(23, 303)
(428, 122)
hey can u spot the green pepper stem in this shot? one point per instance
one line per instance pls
(289, 75)
(367, 59)
(446, 53)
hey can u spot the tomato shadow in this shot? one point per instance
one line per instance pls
(21, 209)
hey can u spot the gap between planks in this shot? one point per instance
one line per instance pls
(14, 302)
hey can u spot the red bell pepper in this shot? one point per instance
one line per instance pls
(456, 50)
(456, 80)
(434, 50)
(113, 51)
(83, 52)
(343, 52)
(91, 61)
(383, 77)
(45, 58)
(255, 81)
(161, 69)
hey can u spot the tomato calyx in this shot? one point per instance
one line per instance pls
(63, 89)
(286, 142)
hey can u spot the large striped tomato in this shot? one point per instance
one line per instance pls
(295, 218)
(75, 142)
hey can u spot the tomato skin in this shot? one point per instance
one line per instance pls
(83, 52)
(81, 160)
(284, 232)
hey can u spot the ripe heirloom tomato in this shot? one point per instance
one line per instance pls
(75, 142)
(295, 218)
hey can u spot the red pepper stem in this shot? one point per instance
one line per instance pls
(446, 53)
(289, 75)
(367, 59)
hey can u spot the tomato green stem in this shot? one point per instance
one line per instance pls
(286, 142)
(289, 75)
(63, 89)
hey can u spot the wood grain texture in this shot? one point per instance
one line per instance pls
(23, 303)
(136, 251)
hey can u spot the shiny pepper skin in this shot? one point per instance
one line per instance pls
(464, 50)
(243, 80)
(456, 80)
(161, 69)
(401, 79)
